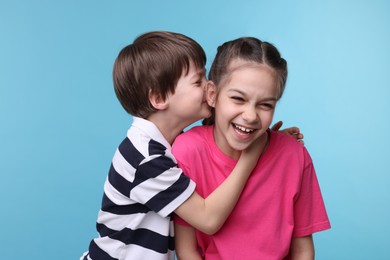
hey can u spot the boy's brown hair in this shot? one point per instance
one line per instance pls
(154, 62)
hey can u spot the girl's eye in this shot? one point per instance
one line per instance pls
(267, 106)
(237, 98)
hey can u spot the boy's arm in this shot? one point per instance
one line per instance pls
(294, 132)
(208, 215)
(302, 248)
(185, 243)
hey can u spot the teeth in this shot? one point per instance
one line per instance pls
(244, 129)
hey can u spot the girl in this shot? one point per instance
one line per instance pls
(281, 205)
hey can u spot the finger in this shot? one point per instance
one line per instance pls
(294, 130)
(277, 126)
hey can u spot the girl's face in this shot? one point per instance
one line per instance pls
(244, 106)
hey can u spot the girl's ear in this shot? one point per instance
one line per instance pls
(157, 101)
(211, 93)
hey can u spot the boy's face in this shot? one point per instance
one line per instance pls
(189, 100)
(244, 107)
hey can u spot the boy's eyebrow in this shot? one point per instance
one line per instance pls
(198, 74)
(201, 72)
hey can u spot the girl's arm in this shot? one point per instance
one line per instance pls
(302, 248)
(185, 243)
(208, 215)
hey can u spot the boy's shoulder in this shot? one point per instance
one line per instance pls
(146, 137)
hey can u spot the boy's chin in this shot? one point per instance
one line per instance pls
(206, 114)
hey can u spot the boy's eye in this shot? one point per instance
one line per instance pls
(199, 82)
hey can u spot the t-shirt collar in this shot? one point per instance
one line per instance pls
(151, 130)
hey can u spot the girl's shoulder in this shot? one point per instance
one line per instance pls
(284, 145)
(278, 138)
(195, 134)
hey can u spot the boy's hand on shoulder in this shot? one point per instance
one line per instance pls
(294, 132)
(277, 126)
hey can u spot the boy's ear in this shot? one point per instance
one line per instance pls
(157, 101)
(211, 93)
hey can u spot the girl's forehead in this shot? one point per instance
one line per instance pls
(255, 79)
(238, 64)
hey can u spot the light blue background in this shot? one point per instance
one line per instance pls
(61, 122)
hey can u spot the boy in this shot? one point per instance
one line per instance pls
(160, 81)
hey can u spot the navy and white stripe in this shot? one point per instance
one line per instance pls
(144, 186)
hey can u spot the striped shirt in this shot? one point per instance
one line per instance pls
(144, 186)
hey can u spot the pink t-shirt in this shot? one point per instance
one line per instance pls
(281, 200)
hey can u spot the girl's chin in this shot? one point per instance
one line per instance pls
(239, 147)
(240, 144)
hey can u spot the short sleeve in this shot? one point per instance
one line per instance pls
(309, 209)
(177, 219)
(160, 185)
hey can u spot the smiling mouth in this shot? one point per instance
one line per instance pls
(242, 129)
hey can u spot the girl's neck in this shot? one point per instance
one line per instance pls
(262, 142)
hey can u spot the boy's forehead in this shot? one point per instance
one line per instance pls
(194, 69)
(201, 71)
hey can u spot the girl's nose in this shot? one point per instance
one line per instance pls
(250, 114)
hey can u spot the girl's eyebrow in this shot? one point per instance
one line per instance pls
(236, 90)
(244, 94)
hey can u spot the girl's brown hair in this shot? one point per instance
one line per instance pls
(248, 49)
